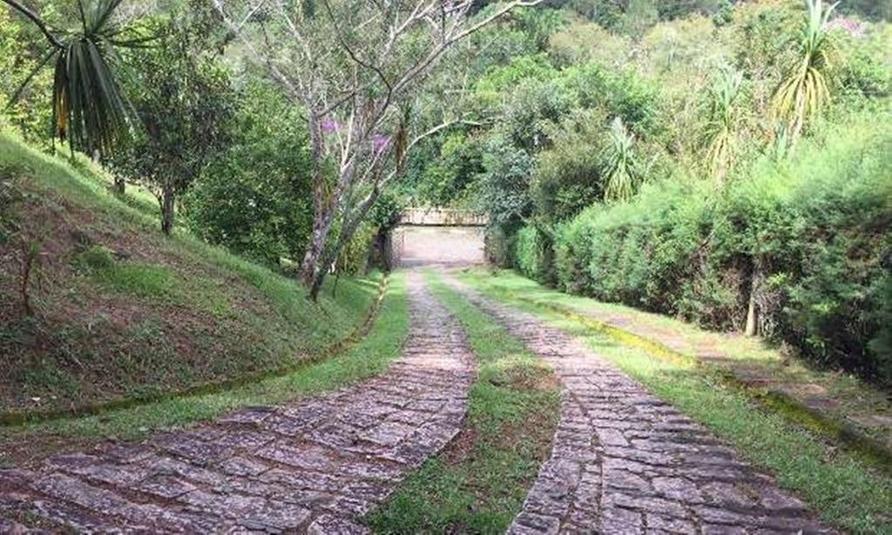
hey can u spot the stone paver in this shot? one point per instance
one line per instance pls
(315, 466)
(624, 461)
(871, 416)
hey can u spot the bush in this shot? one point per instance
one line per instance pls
(642, 253)
(817, 227)
(95, 259)
(809, 236)
(253, 198)
(534, 256)
(354, 257)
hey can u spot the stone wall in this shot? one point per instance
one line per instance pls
(442, 217)
(437, 245)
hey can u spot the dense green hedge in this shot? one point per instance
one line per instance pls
(533, 254)
(812, 230)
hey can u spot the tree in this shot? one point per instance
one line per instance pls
(182, 98)
(447, 176)
(805, 90)
(568, 175)
(252, 197)
(356, 70)
(722, 122)
(89, 109)
(622, 169)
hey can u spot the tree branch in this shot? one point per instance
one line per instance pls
(35, 18)
(439, 127)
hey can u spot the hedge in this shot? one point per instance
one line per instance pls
(807, 236)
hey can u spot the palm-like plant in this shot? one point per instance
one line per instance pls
(722, 123)
(622, 170)
(89, 109)
(805, 90)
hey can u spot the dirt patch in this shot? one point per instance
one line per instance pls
(462, 446)
(24, 451)
(532, 378)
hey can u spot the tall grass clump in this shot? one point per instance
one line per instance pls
(805, 90)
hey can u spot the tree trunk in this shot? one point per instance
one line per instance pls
(752, 312)
(323, 208)
(385, 248)
(348, 229)
(751, 316)
(316, 285)
(118, 187)
(311, 265)
(167, 210)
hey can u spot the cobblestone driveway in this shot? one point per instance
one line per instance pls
(625, 462)
(622, 460)
(313, 466)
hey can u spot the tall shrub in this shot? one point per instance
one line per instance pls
(809, 237)
(534, 256)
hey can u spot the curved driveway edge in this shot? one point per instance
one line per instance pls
(316, 465)
(624, 461)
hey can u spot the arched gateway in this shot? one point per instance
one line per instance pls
(438, 236)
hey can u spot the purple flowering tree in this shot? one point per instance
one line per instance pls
(357, 70)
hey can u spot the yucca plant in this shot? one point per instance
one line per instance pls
(805, 90)
(89, 109)
(622, 169)
(723, 117)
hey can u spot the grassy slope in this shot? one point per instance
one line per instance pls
(122, 311)
(478, 484)
(845, 491)
(369, 356)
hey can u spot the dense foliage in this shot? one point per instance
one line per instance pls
(712, 159)
(252, 195)
(20, 54)
(721, 169)
(812, 230)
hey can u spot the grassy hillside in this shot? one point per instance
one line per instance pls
(118, 310)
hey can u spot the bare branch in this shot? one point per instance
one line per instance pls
(274, 71)
(249, 15)
(438, 51)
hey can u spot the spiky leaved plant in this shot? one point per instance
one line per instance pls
(805, 90)
(89, 109)
(621, 169)
(722, 122)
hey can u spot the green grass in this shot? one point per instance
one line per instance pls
(479, 483)
(846, 492)
(122, 310)
(368, 357)
(856, 403)
(139, 280)
(90, 189)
